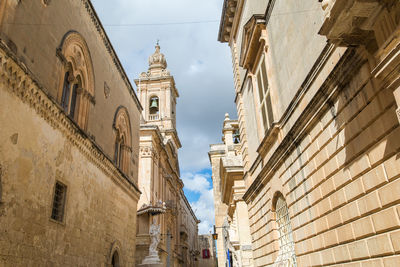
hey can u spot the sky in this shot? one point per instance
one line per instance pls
(202, 67)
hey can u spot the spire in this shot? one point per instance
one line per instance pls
(157, 60)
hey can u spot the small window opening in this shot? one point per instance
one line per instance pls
(118, 154)
(70, 94)
(236, 137)
(59, 202)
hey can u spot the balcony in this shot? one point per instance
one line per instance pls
(352, 22)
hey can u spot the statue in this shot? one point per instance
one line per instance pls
(154, 237)
(152, 260)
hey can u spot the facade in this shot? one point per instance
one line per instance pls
(231, 215)
(317, 92)
(207, 251)
(162, 196)
(69, 139)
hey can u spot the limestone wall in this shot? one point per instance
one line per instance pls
(341, 184)
(294, 46)
(39, 146)
(34, 31)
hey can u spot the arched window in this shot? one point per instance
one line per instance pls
(115, 259)
(119, 149)
(77, 79)
(286, 255)
(122, 145)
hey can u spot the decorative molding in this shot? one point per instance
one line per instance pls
(228, 14)
(46, 2)
(17, 80)
(107, 90)
(254, 39)
(146, 151)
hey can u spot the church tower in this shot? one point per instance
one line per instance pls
(158, 94)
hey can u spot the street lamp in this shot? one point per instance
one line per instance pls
(215, 235)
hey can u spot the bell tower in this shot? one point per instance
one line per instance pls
(157, 94)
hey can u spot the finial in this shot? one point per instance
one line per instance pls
(227, 116)
(158, 42)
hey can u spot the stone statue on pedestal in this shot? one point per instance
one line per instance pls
(152, 260)
(154, 238)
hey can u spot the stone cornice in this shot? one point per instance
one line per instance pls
(350, 62)
(253, 40)
(18, 80)
(230, 16)
(100, 29)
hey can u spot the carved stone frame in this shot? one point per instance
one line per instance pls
(74, 53)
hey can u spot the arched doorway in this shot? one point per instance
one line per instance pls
(115, 259)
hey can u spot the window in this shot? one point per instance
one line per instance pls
(286, 253)
(57, 212)
(69, 94)
(119, 149)
(122, 145)
(206, 253)
(264, 96)
(76, 89)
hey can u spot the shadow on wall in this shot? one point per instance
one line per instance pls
(366, 123)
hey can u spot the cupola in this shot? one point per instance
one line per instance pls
(157, 60)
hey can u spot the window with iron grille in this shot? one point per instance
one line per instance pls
(57, 212)
(286, 255)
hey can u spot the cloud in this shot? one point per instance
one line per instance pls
(201, 65)
(196, 67)
(203, 207)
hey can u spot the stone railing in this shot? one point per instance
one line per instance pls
(154, 117)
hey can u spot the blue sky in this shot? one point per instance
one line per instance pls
(201, 66)
(193, 196)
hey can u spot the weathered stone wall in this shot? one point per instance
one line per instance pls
(207, 242)
(38, 147)
(34, 31)
(341, 183)
(293, 49)
(333, 150)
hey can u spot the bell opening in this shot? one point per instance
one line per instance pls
(154, 105)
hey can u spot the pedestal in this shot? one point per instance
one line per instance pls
(151, 261)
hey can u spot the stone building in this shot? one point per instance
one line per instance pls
(231, 216)
(317, 91)
(207, 257)
(69, 139)
(162, 196)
